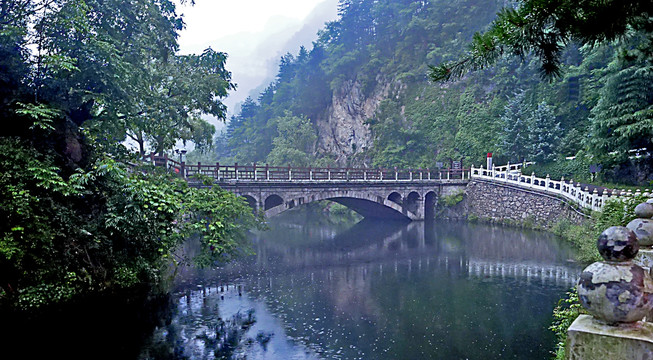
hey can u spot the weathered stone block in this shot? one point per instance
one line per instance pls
(644, 257)
(590, 339)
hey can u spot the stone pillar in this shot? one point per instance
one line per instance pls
(643, 229)
(589, 339)
(617, 294)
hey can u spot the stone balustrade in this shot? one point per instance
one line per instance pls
(569, 190)
(266, 173)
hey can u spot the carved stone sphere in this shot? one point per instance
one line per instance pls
(618, 243)
(644, 210)
(614, 292)
(643, 229)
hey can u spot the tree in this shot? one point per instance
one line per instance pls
(296, 141)
(516, 119)
(623, 117)
(545, 28)
(76, 220)
(544, 134)
(173, 95)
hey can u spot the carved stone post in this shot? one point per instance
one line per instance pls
(617, 294)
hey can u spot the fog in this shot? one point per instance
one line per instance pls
(254, 34)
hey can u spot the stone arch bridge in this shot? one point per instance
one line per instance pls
(374, 193)
(391, 200)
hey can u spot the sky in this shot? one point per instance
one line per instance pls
(254, 34)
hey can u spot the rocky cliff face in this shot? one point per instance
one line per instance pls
(343, 131)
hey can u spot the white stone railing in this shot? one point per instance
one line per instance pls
(570, 190)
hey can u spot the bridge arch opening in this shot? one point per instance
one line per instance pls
(251, 202)
(430, 200)
(412, 202)
(273, 201)
(395, 197)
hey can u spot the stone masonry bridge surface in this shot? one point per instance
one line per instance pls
(374, 193)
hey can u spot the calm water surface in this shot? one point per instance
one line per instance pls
(374, 290)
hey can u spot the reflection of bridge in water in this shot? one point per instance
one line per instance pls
(416, 247)
(557, 274)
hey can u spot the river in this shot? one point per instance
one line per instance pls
(373, 290)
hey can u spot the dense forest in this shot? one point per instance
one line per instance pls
(362, 96)
(82, 216)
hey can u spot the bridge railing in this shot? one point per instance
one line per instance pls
(255, 172)
(570, 190)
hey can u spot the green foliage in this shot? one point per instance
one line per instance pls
(564, 314)
(517, 118)
(187, 87)
(582, 236)
(545, 28)
(623, 116)
(295, 141)
(577, 168)
(101, 229)
(544, 134)
(619, 212)
(76, 77)
(616, 212)
(451, 200)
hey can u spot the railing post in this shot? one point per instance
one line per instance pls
(411, 174)
(183, 169)
(428, 174)
(267, 172)
(347, 174)
(604, 198)
(289, 173)
(217, 171)
(381, 174)
(255, 176)
(448, 174)
(329, 172)
(533, 179)
(199, 167)
(396, 174)
(310, 173)
(236, 170)
(365, 174)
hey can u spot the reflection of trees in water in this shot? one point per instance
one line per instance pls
(407, 289)
(379, 241)
(197, 331)
(376, 242)
(413, 306)
(506, 244)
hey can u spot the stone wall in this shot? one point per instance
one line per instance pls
(511, 204)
